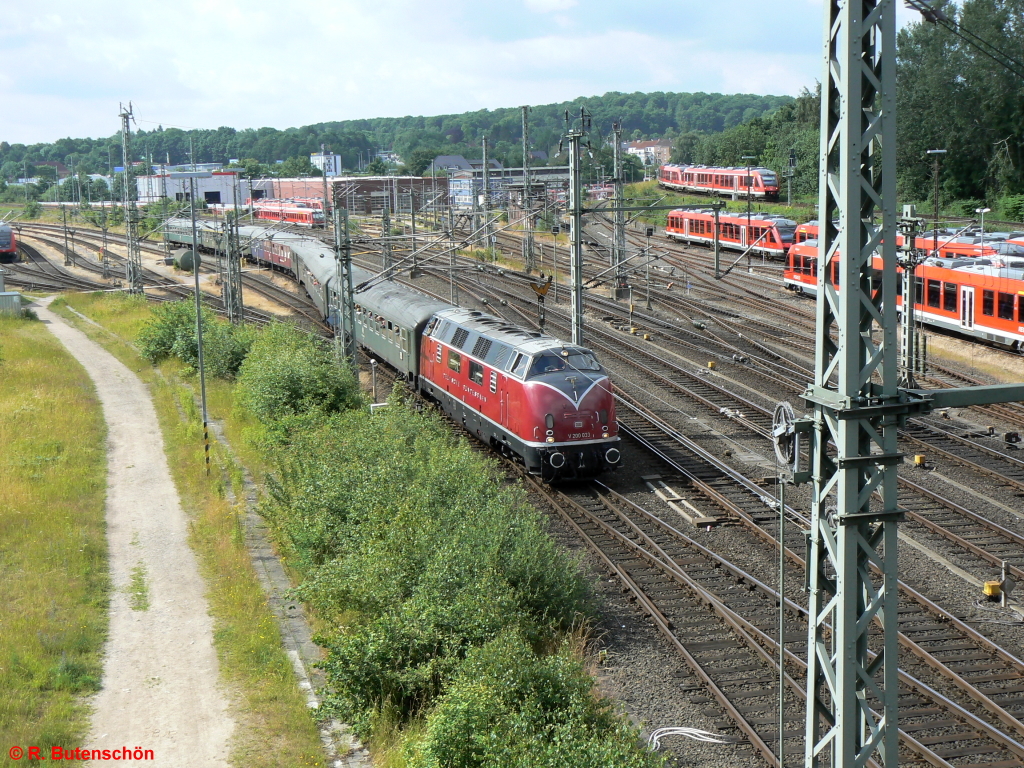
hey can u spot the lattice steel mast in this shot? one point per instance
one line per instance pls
(619, 217)
(133, 265)
(575, 135)
(529, 257)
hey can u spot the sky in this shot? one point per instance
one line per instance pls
(67, 65)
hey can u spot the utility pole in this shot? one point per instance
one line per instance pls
(104, 256)
(199, 319)
(718, 244)
(387, 261)
(486, 202)
(936, 155)
(619, 216)
(64, 220)
(529, 258)
(848, 532)
(790, 172)
(133, 264)
(323, 170)
(344, 292)
(453, 286)
(575, 135)
(231, 286)
(748, 239)
(415, 271)
(910, 257)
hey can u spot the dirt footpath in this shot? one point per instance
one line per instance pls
(160, 684)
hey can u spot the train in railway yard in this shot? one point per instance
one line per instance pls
(764, 234)
(530, 396)
(299, 212)
(755, 182)
(980, 296)
(8, 242)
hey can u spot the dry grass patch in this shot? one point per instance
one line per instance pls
(53, 554)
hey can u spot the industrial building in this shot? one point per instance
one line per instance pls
(215, 189)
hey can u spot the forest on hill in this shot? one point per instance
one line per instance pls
(643, 115)
(949, 96)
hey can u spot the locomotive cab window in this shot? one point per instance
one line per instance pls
(476, 372)
(519, 363)
(455, 361)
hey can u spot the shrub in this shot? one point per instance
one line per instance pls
(508, 706)
(1013, 207)
(291, 373)
(966, 207)
(409, 534)
(172, 333)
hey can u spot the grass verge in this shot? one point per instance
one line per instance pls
(274, 725)
(53, 554)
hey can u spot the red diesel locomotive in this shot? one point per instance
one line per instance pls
(759, 183)
(529, 395)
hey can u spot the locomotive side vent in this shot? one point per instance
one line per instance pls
(460, 338)
(482, 347)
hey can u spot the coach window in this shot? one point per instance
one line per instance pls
(948, 296)
(1006, 306)
(988, 301)
(476, 372)
(918, 290)
(934, 293)
(455, 361)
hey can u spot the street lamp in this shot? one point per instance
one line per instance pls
(936, 154)
(982, 211)
(748, 158)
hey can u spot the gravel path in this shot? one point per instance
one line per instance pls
(160, 676)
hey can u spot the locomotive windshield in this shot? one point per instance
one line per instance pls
(769, 179)
(786, 232)
(554, 361)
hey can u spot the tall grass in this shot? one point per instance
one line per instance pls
(53, 554)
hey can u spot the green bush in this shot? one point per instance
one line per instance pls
(172, 333)
(965, 207)
(1013, 208)
(289, 373)
(508, 706)
(393, 521)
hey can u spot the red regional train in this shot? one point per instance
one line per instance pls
(769, 235)
(761, 183)
(8, 242)
(980, 297)
(288, 210)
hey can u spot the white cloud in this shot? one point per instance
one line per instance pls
(208, 63)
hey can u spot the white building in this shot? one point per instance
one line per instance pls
(215, 188)
(327, 162)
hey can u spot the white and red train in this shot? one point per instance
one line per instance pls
(980, 296)
(759, 183)
(763, 234)
(8, 242)
(302, 212)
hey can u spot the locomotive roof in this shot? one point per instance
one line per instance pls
(497, 330)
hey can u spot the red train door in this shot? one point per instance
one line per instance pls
(966, 307)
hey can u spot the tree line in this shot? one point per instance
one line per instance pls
(949, 96)
(642, 115)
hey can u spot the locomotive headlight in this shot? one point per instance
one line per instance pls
(604, 434)
(550, 440)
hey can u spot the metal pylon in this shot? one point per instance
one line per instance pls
(387, 259)
(852, 686)
(575, 135)
(619, 220)
(343, 294)
(133, 265)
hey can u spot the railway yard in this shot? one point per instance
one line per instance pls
(683, 538)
